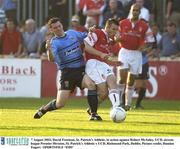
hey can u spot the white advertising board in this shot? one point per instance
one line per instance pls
(20, 78)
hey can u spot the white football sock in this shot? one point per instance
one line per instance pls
(121, 91)
(129, 93)
(114, 97)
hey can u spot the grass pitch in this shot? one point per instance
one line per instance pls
(159, 118)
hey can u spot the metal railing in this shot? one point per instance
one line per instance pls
(36, 9)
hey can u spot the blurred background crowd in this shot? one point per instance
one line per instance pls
(23, 23)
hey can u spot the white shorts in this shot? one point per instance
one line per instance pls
(131, 59)
(98, 71)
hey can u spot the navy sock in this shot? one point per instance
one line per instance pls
(123, 99)
(141, 95)
(50, 106)
(92, 100)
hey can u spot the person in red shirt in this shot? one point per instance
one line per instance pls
(134, 33)
(11, 39)
(99, 69)
(95, 9)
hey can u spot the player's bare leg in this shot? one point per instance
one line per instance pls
(57, 103)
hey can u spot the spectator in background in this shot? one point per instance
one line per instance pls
(113, 11)
(157, 37)
(3, 17)
(75, 24)
(44, 29)
(10, 8)
(57, 9)
(21, 26)
(156, 33)
(11, 39)
(170, 42)
(90, 22)
(95, 8)
(31, 40)
(173, 12)
(79, 10)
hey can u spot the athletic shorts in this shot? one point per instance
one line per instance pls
(131, 59)
(145, 72)
(71, 78)
(98, 71)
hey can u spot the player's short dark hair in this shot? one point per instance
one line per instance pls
(111, 21)
(53, 20)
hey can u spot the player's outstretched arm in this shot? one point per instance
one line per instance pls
(113, 61)
(92, 50)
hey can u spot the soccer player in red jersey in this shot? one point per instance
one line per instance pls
(98, 69)
(134, 33)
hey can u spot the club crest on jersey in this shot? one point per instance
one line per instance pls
(108, 71)
(72, 38)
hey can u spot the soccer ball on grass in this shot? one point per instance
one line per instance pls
(117, 114)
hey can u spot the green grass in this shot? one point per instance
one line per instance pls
(160, 118)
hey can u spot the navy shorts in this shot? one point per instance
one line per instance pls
(71, 78)
(145, 72)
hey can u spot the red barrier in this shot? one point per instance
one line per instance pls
(164, 80)
(48, 84)
(163, 83)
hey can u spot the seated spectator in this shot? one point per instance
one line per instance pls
(157, 37)
(31, 40)
(173, 12)
(75, 24)
(11, 39)
(170, 42)
(156, 33)
(113, 11)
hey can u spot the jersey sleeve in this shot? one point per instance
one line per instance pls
(81, 35)
(91, 39)
(54, 49)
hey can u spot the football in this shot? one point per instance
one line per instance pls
(117, 114)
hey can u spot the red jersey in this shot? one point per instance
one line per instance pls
(81, 4)
(94, 4)
(133, 37)
(99, 40)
